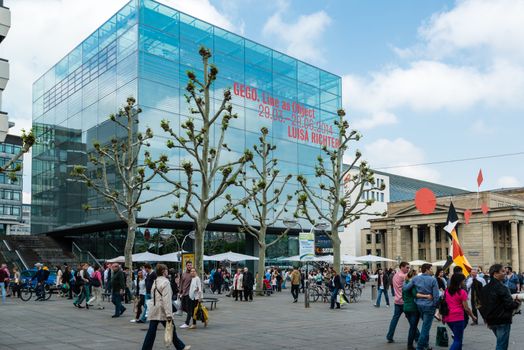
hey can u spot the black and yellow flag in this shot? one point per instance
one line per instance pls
(456, 254)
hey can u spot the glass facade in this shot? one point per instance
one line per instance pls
(144, 51)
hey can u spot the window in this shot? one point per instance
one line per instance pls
(437, 238)
(368, 251)
(382, 197)
(379, 238)
(368, 238)
(379, 252)
(422, 254)
(439, 253)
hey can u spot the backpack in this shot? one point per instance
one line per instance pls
(95, 282)
(443, 307)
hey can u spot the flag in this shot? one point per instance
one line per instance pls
(456, 255)
(480, 178)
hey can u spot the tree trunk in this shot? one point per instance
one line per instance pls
(199, 249)
(128, 250)
(335, 239)
(261, 269)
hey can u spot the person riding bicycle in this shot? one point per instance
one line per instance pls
(41, 277)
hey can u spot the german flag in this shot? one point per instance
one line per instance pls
(456, 254)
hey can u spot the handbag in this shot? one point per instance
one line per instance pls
(443, 307)
(149, 305)
(442, 336)
(168, 334)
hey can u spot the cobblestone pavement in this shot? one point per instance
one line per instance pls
(267, 323)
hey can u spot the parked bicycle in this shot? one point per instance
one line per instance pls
(353, 291)
(318, 291)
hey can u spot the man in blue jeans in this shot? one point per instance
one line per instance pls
(426, 285)
(497, 306)
(118, 285)
(396, 285)
(150, 278)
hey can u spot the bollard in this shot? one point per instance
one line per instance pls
(373, 292)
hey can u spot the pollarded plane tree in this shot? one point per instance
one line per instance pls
(264, 189)
(118, 174)
(206, 175)
(340, 198)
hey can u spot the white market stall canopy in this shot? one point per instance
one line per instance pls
(230, 256)
(372, 258)
(139, 257)
(439, 263)
(172, 257)
(418, 262)
(118, 259)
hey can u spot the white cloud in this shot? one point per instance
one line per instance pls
(480, 127)
(468, 56)
(399, 153)
(204, 10)
(374, 120)
(496, 26)
(301, 38)
(508, 181)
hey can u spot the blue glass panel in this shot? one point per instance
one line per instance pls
(89, 116)
(107, 32)
(126, 70)
(158, 69)
(330, 83)
(126, 18)
(159, 96)
(128, 90)
(159, 44)
(308, 74)
(61, 69)
(159, 16)
(90, 93)
(75, 59)
(286, 151)
(283, 65)
(127, 42)
(74, 103)
(90, 47)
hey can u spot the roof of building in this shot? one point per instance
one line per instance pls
(404, 188)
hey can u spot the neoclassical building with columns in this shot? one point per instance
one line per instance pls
(496, 237)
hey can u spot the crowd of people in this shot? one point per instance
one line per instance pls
(424, 296)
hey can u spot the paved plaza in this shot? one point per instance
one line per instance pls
(267, 323)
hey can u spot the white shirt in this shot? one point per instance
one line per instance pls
(141, 287)
(469, 282)
(195, 294)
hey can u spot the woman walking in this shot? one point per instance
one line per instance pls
(141, 296)
(16, 286)
(96, 288)
(161, 310)
(195, 295)
(457, 299)
(411, 310)
(335, 286)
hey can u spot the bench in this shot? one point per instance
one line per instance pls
(212, 302)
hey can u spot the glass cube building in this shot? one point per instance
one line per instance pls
(144, 51)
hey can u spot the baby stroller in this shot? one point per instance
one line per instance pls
(267, 287)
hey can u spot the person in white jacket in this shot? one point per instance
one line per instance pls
(161, 310)
(195, 295)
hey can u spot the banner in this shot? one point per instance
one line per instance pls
(307, 245)
(187, 257)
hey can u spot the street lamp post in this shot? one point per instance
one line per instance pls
(290, 223)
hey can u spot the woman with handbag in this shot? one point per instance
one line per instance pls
(159, 311)
(195, 296)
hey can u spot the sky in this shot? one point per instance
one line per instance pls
(423, 81)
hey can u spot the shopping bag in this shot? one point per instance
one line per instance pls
(338, 298)
(149, 305)
(343, 299)
(205, 314)
(178, 303)
(168, 334)
(442, 336)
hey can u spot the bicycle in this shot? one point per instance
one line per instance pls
(353, 291)
(27, 290)
(316, 291)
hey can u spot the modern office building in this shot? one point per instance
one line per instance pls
(144, 50)
(493, 237)
(10, 145)
(397, 188)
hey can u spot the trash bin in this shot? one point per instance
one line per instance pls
(373, 292)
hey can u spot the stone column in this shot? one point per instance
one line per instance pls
(514, 244)
(373, 248)
(521, 247)
(488, 244)
(398, 230)
(443, 244)
(414, 240)
(432, 243)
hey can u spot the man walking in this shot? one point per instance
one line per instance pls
(512, 281)
(295, 283)
(185, 284)
(427, 288)
(248, 281)
(397, 284)
(217, 281)
(118, 285)
(474, 286)
(497, 306)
